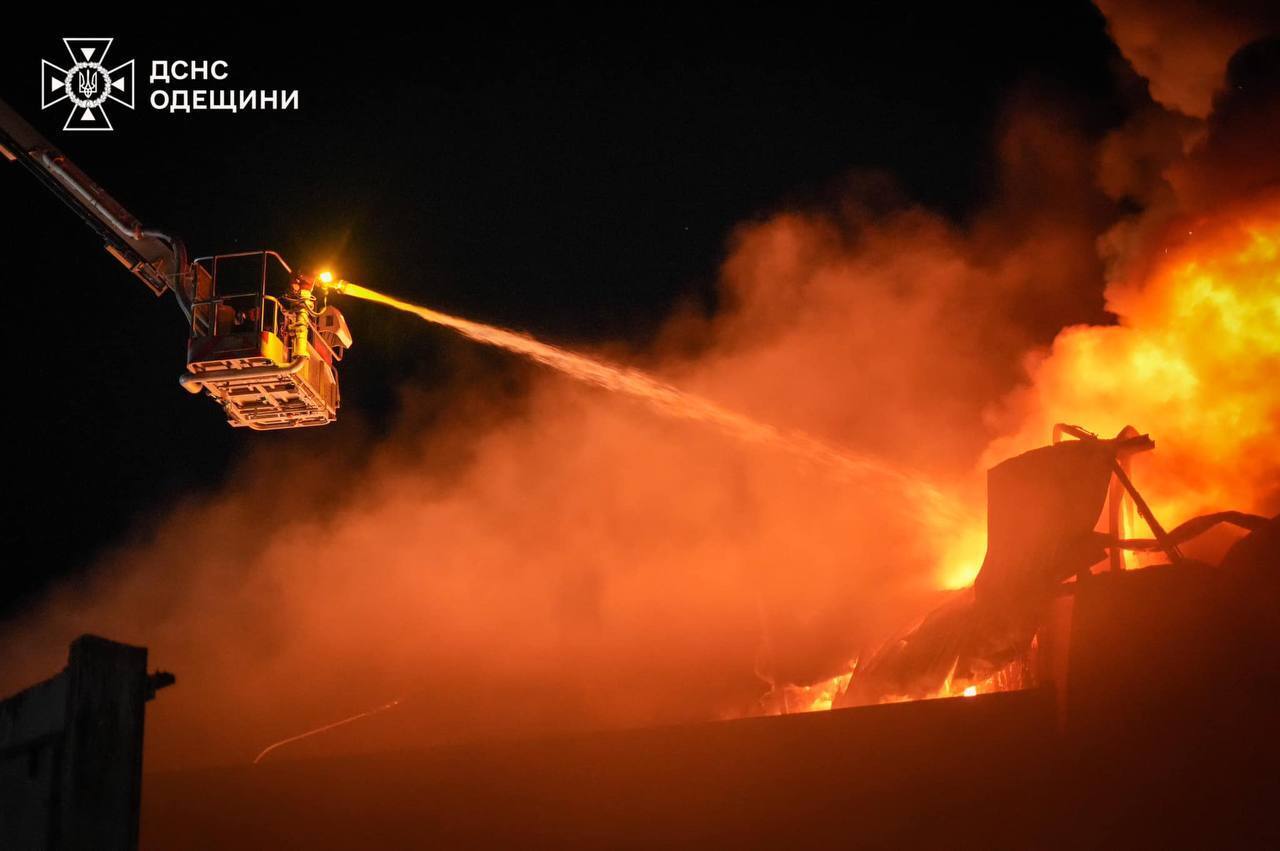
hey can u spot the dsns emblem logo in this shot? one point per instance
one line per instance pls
(88, 84)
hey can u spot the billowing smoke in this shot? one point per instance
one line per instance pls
(1194, 281)
(1181, 47)
(576, 561)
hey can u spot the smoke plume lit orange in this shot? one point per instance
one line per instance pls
(579, 562)
(1182, 46)
(1195, 358)
(922, 496)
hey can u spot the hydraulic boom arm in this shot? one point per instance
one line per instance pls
(262, 345)
(160, 261)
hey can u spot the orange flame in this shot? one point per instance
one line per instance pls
(1195, 358)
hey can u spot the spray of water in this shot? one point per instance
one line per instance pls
(673, 402)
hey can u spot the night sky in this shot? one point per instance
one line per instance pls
(577, 179)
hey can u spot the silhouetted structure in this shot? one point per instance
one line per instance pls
(1042, 510)
(71, 752)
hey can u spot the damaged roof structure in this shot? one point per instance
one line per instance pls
(1043, 507)
(1144, 717)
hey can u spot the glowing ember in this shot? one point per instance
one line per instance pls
(269, 748)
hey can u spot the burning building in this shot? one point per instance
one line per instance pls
(553, 617)
(1126, 707)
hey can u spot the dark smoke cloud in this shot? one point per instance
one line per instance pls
(1208, 138)
(1239, 151)
(1182, 46)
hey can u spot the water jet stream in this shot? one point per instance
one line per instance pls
(674, 402)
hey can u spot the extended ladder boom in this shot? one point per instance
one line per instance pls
(159, 260)
(261, 344)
